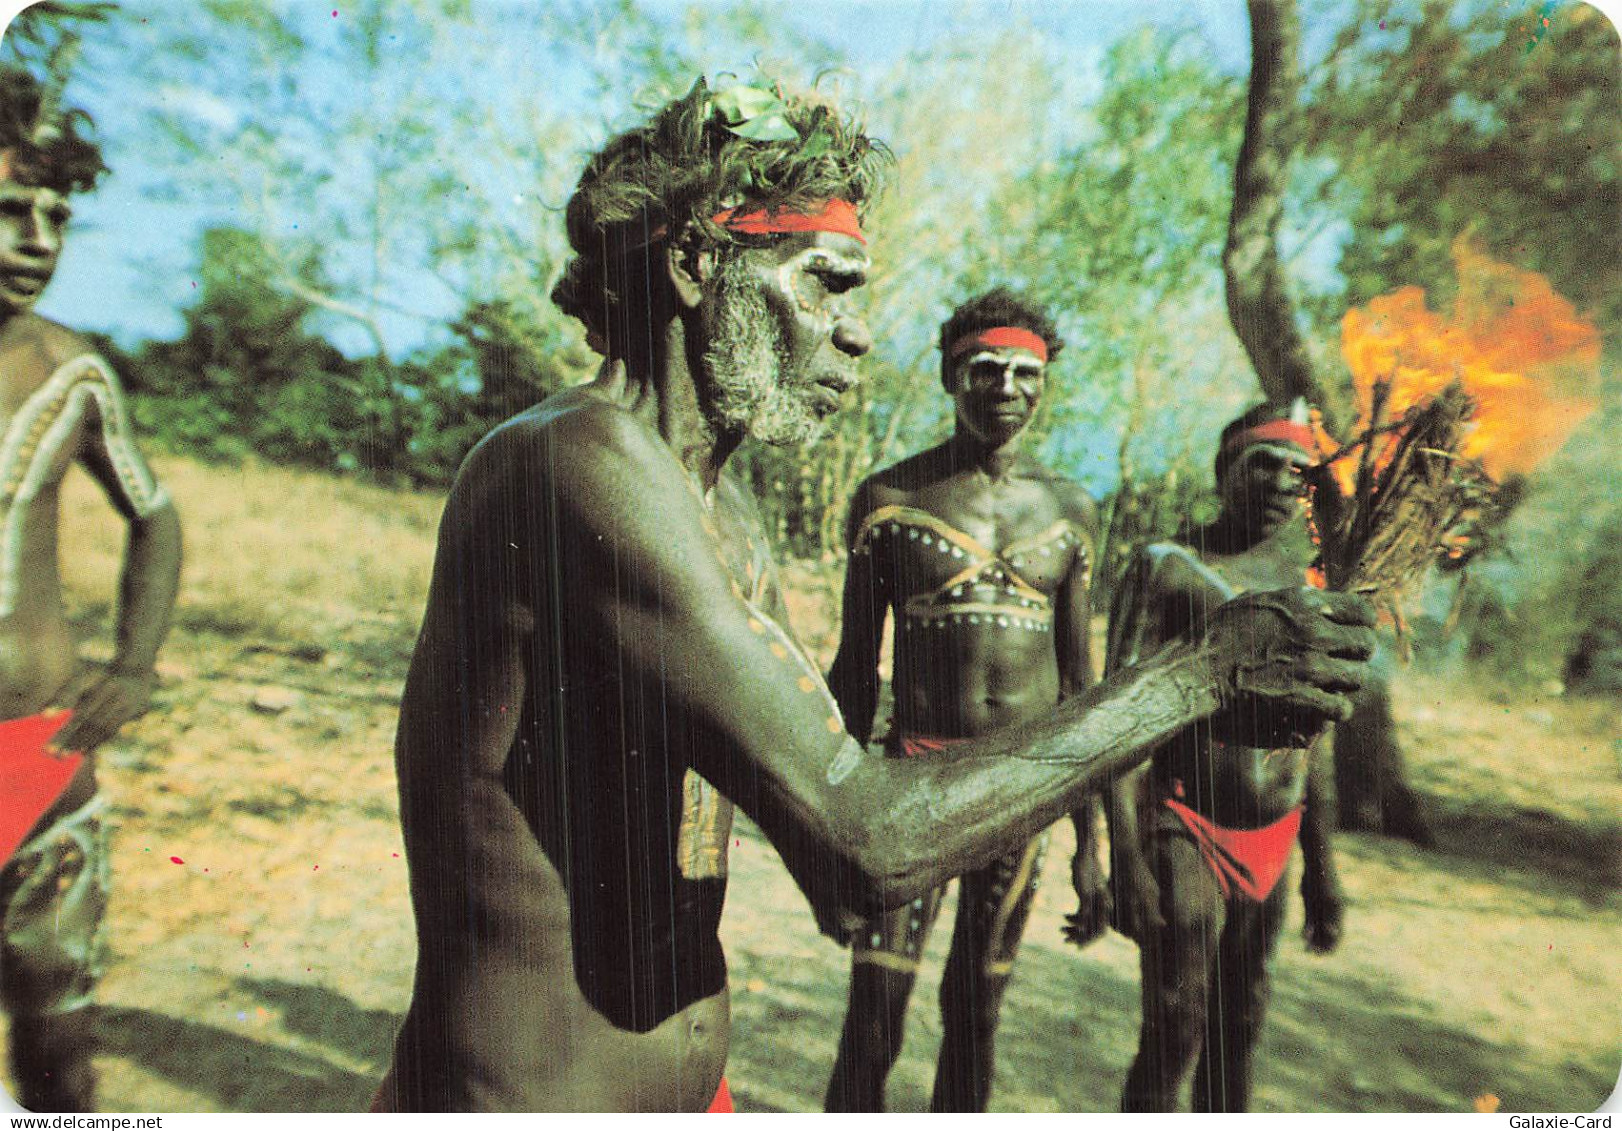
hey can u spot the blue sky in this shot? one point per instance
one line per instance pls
(127, 266)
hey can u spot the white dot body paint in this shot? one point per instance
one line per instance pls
(27, 455)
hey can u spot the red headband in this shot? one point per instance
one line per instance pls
(1002, 337)
(835, 215)
(1272, 432)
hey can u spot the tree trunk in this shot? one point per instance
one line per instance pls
(1258, 303)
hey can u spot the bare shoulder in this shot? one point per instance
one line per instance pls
(566, 442)
(1166, 567)
(37, 347)
(1079, 506)
(881, 489)
(580, 467)
(60, 344)
(900, 483)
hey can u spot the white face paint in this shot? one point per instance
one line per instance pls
(775, 363)
(996, 390)
(32, 219)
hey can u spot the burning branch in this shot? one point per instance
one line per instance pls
(1447, 407)
(1411, 493)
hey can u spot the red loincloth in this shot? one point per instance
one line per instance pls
(30, 779)
(923, 745)
(1249, 860)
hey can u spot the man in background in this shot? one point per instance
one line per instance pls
(60, 404)
(1201, 837)
(981, 557)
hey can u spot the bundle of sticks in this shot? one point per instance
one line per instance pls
(1408, 501)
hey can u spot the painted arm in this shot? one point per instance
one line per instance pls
(148, 581)
(853, 678)
(1073, 640)
(865, 833)
(1135, 632)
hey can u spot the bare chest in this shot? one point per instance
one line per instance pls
(954, 560)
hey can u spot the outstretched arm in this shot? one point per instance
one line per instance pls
(148, 581)
(866, 832)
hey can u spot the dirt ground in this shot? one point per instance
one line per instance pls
(262, 944)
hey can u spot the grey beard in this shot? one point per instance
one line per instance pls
(745, 368)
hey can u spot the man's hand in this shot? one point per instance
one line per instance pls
(1095, 908)
(1288, 662)
(836, 922)
(106, 705)
(1325, 912)
(1137, 900)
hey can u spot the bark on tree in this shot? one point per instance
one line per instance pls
(1258, 301)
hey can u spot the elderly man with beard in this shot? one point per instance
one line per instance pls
(604, 666)
(983, 557)
(1202, 836)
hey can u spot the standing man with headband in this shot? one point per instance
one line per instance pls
(60, 404)
(982, 557)
(604, 666)
(1202, 836)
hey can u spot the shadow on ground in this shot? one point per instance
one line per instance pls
(239, 1073)
(1580, 859)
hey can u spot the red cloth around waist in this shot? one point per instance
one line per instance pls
(1249, 861)
(923, 745)
(30, 779)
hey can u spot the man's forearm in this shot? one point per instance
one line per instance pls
(147, 588)
(1318, 821)
(1121, 817)
(855, 687)
(965, 808)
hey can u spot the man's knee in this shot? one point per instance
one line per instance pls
(878, 1010)
(54, 892)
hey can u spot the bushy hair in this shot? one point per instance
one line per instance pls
(681, 168)
(999, 306)
(43, 138)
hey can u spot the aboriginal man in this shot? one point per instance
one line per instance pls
(60, 404)
(604, 666)
(982, 556)
(1202, 835)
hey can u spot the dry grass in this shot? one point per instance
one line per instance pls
(262, 941)
(270, 551)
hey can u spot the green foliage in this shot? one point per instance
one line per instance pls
(249, 374)
(1442, 119)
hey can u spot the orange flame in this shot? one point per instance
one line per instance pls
(1520, 349)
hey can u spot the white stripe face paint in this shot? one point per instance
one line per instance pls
(34, 439)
